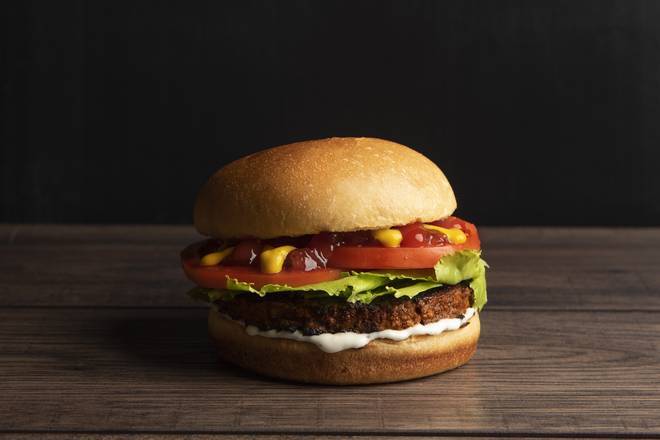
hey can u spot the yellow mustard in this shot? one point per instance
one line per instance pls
(455, 236)
(388, 237)
(215, 257)
(272, 260)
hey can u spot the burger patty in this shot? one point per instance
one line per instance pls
(312, 316)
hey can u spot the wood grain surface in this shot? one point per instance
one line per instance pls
(97, 337)
(173, 435)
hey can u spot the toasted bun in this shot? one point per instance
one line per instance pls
(380, 361)
(336, 184)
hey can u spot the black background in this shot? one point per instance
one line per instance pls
(538, 112)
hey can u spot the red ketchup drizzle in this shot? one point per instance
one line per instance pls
(245, 253)
(313, 251)
(306, 259)
(416, 235)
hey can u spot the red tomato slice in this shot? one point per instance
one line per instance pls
(372, 257)
(215, 277)
(353, 257)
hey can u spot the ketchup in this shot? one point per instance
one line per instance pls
(306, 259)
(416, 235)
(313, 251)
(246, 253)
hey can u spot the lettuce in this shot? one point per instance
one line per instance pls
(364, 287)
(356, 283)
(462, 266)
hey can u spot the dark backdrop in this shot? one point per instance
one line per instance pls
(539, 112)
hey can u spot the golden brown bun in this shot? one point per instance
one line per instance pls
(380, 361)
(335, 184)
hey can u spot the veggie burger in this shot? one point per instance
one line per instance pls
(337, 261)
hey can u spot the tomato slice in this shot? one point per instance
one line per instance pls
(371, 257)
(215, 277)
(353, 257)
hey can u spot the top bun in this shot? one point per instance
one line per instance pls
(335, 184)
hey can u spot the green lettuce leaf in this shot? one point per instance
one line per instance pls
(357, 283)
(462, 266)
(364, 287)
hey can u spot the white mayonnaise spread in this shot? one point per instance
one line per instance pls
(334, 342)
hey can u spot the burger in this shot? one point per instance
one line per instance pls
(337, 261)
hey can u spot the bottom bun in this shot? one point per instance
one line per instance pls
(382, 360)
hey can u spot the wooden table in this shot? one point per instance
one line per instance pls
(98, 337)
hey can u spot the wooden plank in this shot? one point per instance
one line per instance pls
(17, 234)
(532, 268)
(60, 265)
(98, 370)
(158, 436)
(93, 275)
(561, 237)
